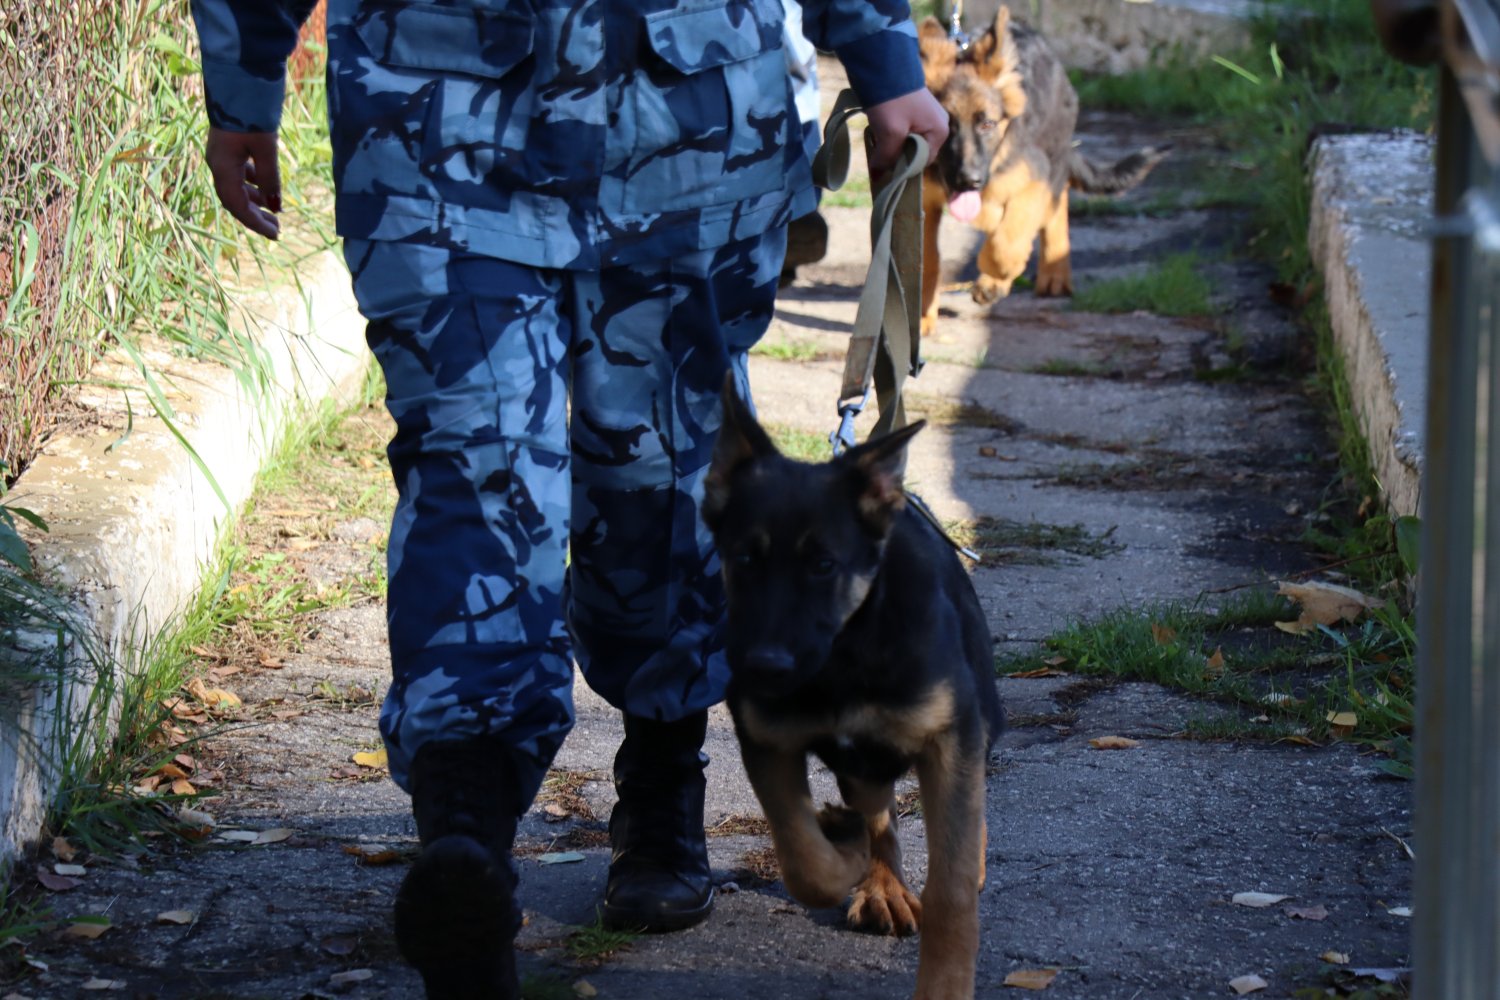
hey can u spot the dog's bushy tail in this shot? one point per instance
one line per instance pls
(1091, 178)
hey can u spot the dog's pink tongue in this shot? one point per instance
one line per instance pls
(965, 206)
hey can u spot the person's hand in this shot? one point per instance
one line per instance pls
(892, 121)
(246, 177)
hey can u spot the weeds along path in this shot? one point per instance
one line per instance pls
(1102, 455)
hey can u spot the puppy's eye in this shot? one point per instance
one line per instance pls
(822, 568)
(743, 558)
(987, 125)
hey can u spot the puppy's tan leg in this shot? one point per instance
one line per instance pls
(953, 804)
(1054, 272)
(984, 847)
(932, 219)
(822, 853)
(882, 902)
(1003, 257)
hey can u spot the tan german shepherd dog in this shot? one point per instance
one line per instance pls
(1009, 160)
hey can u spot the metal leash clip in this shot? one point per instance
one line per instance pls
(956, 33)
(844, 437)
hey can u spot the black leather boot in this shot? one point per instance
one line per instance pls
(456, 915)
(659, 879)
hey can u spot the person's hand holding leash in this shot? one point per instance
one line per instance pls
(246, 177)
(917, 113)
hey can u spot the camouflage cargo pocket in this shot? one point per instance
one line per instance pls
(709, 117)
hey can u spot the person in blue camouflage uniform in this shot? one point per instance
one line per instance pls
(565, 221)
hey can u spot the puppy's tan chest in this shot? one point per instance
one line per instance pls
(906, 729)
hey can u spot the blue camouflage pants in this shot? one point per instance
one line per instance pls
(521, 539)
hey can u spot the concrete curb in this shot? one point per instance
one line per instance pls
(1371, 205)
(133, 518)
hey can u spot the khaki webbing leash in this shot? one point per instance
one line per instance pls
(885, 345)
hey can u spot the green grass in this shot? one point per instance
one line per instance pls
(1292, 682)
(804, 446)
(1175, 286)
(788, 350)
(1069, 368)
(1000, 540)
(854, 194)
(595, 942)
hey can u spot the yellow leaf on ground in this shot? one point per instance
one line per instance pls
(1296, 628)
(372, 758)
(373, 854)
(1162, 634)
(1215, 663)
(88, 929)
(585, 989)
(1031, 979)
(1327, 603)
(1038, 672)
(62, 850)
(1247, 984)
(1343, 720)
(176, 917)
(171, 771)
(1114, 743)
(212, 697)
(1335, 957)
(182, 786)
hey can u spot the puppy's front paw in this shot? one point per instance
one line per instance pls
(988, 290)
(882, 904)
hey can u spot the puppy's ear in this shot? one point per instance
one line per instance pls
(996, 58)
(740, 440)
(939, 53)
(879, 469)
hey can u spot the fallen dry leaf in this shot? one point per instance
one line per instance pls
(1335, 958)
(1258, 899)
(1319, 912)
(1031, 979)
(195, 818)
(88, 929)
(54, 882)
(240, 836)
(62, 850)
(1247, 984)
(1215, 662)
(584, 988)
(1162, 634)
(350, 978)
(275, 836)
(373, 855)
(176, 917)
(183, 787)
(1399, 911)
(339, 944)
(73, 871)
(212, 697)
(372, 758)
(1055, 661)
(1114, 743)
(104, 984)
(1039, 672)
(171, 771)
(1327, 603)
(1342, 723)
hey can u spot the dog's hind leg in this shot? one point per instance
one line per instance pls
(822, 853)
(1054, 272)
(882, 902)
(953, 805)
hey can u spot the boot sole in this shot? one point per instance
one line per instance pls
(456, 922)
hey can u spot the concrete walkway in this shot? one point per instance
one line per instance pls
(1114, 868)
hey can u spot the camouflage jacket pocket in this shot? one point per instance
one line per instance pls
(707, 118)
(452, 83)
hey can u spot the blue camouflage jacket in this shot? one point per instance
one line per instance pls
(556, 133)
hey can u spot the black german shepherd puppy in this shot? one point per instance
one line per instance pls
(856, 635)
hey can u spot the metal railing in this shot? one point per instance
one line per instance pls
(1456, 929)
